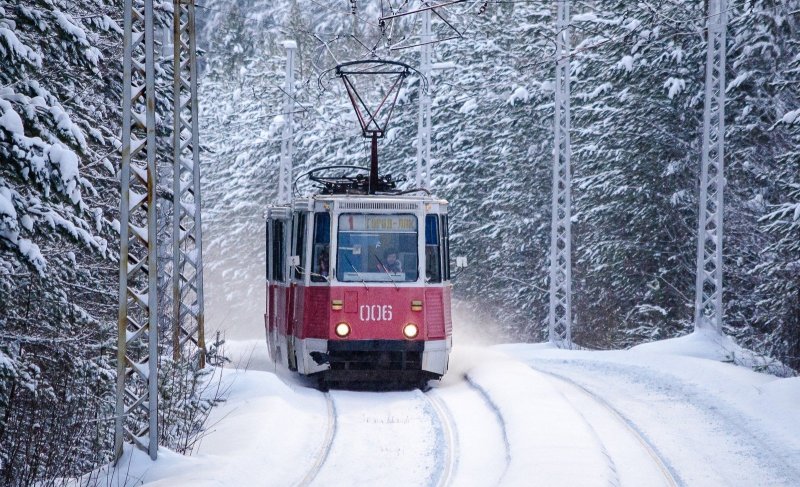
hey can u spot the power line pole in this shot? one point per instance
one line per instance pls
(187, 241)
(287, 139)
(560, 319)
(708, 292)
(137, 332)
(423, 178)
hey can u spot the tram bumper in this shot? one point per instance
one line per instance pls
(353, 358)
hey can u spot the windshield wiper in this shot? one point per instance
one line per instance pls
(356, 271)
(385, 270)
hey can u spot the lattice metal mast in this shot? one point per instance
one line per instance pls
(137, 353)
(708, 292)
(187, 235)
(423, 178)
(287, 139)
(560, 319)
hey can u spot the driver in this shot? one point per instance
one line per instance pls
(390, 262)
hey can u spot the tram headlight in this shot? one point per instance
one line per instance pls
(410, 330)
(342, 330)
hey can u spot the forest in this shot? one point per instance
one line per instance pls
(637, 71)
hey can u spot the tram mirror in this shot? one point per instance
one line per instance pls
(461, 262)
(294, 260)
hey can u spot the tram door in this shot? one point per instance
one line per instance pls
(277, 282)
(297, 275)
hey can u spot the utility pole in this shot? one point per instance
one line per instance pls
(708, 292)
(187, 241)
(560, 319)
(136, 417)
(287, 139)
(423, 179)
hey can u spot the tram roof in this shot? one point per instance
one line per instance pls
(362, 202)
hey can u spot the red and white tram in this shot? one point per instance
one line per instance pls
(358, 286)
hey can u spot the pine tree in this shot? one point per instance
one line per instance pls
(58, 140)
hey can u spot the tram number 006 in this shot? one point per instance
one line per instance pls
(375, 312)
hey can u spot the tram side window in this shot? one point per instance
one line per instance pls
(446, 247)
(300, 244)
(276, 273)
(320, 265)
(433, 268)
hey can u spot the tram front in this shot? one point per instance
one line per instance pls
(375, 302)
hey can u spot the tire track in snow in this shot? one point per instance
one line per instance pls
(325, 447)
(669, 477)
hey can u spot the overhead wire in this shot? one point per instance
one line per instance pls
(324, 44)
(229, 12)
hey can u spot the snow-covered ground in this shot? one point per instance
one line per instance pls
(666, 413)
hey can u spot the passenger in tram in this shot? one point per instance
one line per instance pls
(323, 262)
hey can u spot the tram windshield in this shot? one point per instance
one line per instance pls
(377, 248)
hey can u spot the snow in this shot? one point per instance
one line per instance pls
(443, 66)
(10, 120)
(468, 106)
(741, 78)
(17, 48)
(674, 86)
(66, 125)
(67, 163)
(27, 222)
(791, 117)
(31, 251)
(519, 94)
(626, 62)
(585, 17)
(6, 206)
(666, 413)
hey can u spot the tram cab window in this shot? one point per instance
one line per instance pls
(276, 261)
(433, 267)
(320, 264)
(377, 248)
(300, 243)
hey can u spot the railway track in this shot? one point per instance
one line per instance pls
(390, 434)
(325, 446)
(589, 406)
(448, 439)
(449, 416)
(469, 421)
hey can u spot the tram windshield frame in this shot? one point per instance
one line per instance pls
(366, 242)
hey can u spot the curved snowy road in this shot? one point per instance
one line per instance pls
(701, 439)
(518, 415)
(559, 435)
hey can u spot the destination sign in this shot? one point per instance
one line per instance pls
(378, 223)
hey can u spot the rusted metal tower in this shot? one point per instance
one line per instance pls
(560, 319)
(187, 241)
(287, 137)
(708, 292)
(137, 352)
(423, 175)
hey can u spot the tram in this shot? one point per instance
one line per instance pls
(358, 284)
